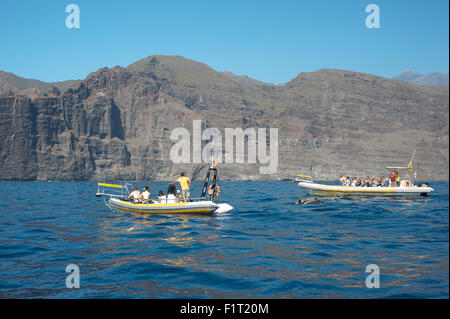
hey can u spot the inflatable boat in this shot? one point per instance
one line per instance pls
(403, 187)
(116, 197)
(196, 207)
(322, 189)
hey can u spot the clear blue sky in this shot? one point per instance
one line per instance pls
(271, 41)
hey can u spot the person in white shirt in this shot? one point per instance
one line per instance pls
(167, 199)
(145, 196)
(347, 181)
(171, 198)
(135, 194)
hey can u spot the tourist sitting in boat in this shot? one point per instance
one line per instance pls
(145, 196)
(170, 198)
(366, 182)
(382, 182)
(342, 179)
(359, 182)
(135, 194)
(171, 194)
(405, 183)
(353, 184)
(374, 182)
(347, 181)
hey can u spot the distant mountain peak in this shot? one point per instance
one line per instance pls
(407, 75)
(10, 82)
(430, 79)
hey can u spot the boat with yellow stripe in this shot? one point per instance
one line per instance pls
(322, 189)
(197, 207)
(116, 196)
(404, 187)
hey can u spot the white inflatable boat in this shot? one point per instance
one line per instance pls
(322, 189)
(197, 207)
(403, 187)
(116, 198)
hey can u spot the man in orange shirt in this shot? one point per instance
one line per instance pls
(185, 184)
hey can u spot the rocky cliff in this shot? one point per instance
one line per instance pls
(116, 123)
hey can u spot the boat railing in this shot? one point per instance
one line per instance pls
(107, 190)
(113, 189)
(179, 200)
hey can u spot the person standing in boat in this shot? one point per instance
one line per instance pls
(135, 194)
(145, 196)
(185, 184)
(392, 178)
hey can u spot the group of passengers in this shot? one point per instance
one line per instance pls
(173, 195)
(362, 182)
(393, 181)
(139, 197)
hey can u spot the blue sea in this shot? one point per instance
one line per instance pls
(267, 247)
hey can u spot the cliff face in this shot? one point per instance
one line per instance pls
(116, 124)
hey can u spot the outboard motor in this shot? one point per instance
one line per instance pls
(424, 185)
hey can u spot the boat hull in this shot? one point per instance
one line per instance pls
(202, 207)
(321, 189)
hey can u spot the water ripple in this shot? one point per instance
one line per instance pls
(267, 247)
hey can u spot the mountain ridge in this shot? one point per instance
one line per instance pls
(11, 82)
(116, 123)
(430, 79)
(34, 87)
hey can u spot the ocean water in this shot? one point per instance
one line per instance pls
(267, 247)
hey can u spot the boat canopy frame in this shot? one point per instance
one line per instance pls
(408, 169)
(107, 190)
